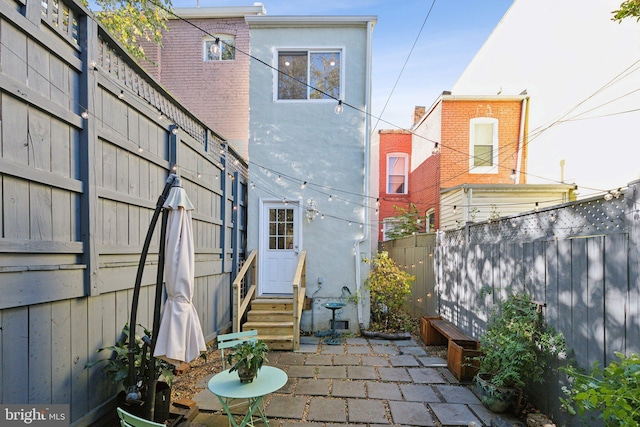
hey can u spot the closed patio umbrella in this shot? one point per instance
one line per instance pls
(180, 337)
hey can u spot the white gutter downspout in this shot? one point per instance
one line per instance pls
(523, 118)
(366, 159)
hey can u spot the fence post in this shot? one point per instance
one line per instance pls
(633, 218)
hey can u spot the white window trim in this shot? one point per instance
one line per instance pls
(406, 172)
(429, 219)
(483, 169)
(323, 49)
(211, 38)
(388, 224)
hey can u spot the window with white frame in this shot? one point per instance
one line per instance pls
(483, 145)
(430, 220)
(388, 226)
(397, 173)
(309, 74)
(219, 47)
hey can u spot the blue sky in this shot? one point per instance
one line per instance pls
(452, 34)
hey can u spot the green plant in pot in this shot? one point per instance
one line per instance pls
(247, 358)
(516, 348)
(116, 368)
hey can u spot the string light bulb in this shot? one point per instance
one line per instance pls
(303, 185)
(436, 148)
(121, 95)
(513, 175)
(330, 197)
(215, 47)
(174, 130)
(537, 206)
(455, 209)
(339, 108)
(85, 114)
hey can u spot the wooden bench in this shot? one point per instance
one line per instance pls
(461, 348)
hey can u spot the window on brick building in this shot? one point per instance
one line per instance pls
(388, 226)
(430, 220)
(483, 154)
(223, 50)
(397, 170)
(309, 74)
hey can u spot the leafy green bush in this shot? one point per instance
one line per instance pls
(388, 287)
(116, 368)
(613, 392)
(518, 344)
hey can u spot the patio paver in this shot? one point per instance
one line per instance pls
(419, 393)
(426, 375)
(394, 374)
(453, 413)
(327, 409)
(367, 411)
(286, 406)
(362, 373)
(312, 387)
(411, 413)
(346, 388)
(386, 391)
(403, 360)
(458, 394)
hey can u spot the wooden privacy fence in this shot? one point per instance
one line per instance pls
(87, 141)
(580, 259)
(414, 254)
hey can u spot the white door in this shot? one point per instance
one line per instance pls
(279, 248)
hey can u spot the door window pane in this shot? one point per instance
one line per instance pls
(281, 229)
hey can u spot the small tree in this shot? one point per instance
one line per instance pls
(628, 9)
(408, 221)
(388, 287)
(132, 21)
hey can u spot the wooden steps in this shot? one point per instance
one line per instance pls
(273, 319)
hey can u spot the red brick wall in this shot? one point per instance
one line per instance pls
(217, 92)
(391, 141)
(425, 188)
(456, 117)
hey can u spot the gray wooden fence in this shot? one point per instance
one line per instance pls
(87, 141)
(415, 254)
(580, 259)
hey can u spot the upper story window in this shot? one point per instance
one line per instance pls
(224, 50)
(397, 173)
(309, 74)
(430, 220)
(483, 145)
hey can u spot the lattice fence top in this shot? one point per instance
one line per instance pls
(597, 216)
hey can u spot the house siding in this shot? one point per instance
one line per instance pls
(307, 141)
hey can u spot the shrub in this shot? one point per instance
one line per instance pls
(388, 287)
(614, 391)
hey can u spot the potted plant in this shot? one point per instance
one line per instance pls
(116, 369)
(247, 358)
(516, 348)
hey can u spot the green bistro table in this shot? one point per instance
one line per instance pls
(227, 386)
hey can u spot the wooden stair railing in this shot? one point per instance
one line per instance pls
(243, 294)
(299, 292)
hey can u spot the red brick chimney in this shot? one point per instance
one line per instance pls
(418, 112)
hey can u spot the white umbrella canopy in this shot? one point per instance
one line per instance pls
(180, 337)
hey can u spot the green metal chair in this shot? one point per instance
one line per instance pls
(129, 420)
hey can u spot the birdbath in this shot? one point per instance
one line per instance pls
(334, 338)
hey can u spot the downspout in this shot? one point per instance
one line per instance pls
(520, 153)
(366, 160)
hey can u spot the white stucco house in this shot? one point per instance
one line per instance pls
(581, 72)
(309, 166)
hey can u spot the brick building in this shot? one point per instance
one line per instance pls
(211, 78)
(467, 161)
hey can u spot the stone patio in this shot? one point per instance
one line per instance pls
(363, 382)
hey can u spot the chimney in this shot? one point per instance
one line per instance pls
(418, 112)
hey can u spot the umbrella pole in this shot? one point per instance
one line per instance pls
(150, 402)
(134, 393)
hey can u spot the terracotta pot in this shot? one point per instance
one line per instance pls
(495, 399)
